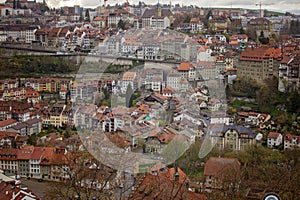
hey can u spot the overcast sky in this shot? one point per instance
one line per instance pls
(278, 5)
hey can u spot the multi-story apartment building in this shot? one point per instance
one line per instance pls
(289, 73)
(207, 70)
(129, 78)
(259, 63)
(258, 26)
(18, 33)
(48, 163)
(173, 80)
(8, 84)
(9, 160)
(152, 79)
(232, 136)
(19, 111)
(156, 18)
(114, 18)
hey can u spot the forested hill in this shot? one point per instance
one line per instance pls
(34, 66)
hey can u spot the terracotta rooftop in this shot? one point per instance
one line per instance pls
(25, 152)
(129, 76)
(259, 53)
(273, 135)
(290, 137)
(214, 166)
(286, 59)
(7, 122)
(161, 186)
(168, 90)
(185, 66)
(5, 134)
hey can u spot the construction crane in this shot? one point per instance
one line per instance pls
(104, 14)
(260, 10)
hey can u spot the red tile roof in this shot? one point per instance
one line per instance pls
(253, 54)
(286, 59)
(25, 153)
(215, 166)
(273, 135)
(8, 190)
(5, 134)
(52, 156)
(290, 137)
(129, 76)
(37, 153)
(168, 90)
(162, 186)
(8, 154)
(185, 66)
(259, 53)
(7, 122)
(98, 19)
(183, 178)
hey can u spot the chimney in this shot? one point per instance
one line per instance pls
(176, 174)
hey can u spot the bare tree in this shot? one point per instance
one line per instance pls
(85, 178)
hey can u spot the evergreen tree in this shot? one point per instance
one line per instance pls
(128, 95)
(121, 24)
(87, 15)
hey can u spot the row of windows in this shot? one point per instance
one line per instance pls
(9, 167)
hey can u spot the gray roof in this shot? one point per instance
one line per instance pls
(19, 126)
(239, 129)
(153, 13)
(33, 121)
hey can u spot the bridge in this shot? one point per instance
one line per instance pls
(87, 57)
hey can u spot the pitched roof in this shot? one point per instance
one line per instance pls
(240, 129)
(8, 154)
(215, 166)
(154, 13)
(168, 90)
(25, 153)
(129, 76)
(37, 153)
(163, 186)
(7, 122)
(273, 135)
(52, 156)
(33, 121)
(286, 59)
(8, 190)
(157, 167)
(259, 53)
(5, 134)
(185, 66)
(290, 137)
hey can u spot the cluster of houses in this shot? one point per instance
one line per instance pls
(13, 189)
(81, 29)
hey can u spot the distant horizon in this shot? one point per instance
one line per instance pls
(276, 6)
